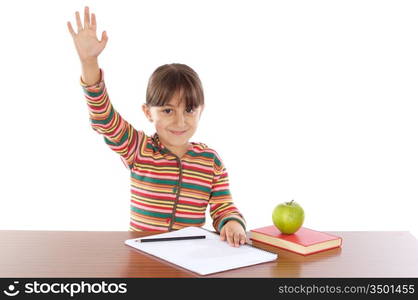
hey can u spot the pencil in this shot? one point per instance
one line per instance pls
(176, 238)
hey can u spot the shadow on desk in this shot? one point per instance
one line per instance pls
(288, 264)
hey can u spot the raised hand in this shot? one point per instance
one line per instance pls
(85, 40)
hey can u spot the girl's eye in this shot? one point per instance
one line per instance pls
(188, 110)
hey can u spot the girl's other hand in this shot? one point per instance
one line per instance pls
(85, 40)
(233, 233)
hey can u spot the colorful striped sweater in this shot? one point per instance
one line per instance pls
(167, 193)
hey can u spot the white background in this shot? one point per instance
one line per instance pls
(308, 100)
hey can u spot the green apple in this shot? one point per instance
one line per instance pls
(288, 217)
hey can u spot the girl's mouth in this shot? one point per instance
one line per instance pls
(178, 132)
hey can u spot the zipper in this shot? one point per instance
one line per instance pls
(178, 194)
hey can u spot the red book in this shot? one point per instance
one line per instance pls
(304, 241)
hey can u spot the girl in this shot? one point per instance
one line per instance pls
(172, 180)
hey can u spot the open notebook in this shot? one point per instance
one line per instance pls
(203, 256)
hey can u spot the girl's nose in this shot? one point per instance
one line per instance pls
(180, 120)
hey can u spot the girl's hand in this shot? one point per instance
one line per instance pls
(234, 233)
(85, 40)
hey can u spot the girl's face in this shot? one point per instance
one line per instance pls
(174, 123)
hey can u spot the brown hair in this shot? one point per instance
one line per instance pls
(168, 79)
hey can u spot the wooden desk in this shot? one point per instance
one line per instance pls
(104, 254)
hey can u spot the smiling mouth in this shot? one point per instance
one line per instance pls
(178, 132)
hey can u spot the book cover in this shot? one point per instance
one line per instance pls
(305, 241)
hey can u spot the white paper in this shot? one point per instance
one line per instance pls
(202, 256)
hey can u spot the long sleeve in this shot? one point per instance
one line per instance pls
(222, 208)
(118, 134)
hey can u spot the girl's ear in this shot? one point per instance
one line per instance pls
(147, 112)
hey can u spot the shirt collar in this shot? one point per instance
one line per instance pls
(163, 149)
(158, 143)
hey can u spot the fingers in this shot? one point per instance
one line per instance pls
(86, 17)
(93, 21)
(242, 239)
(70, 28)
(235, 239)
(223, 234)
(234, 234)
(87, 23)
(104, 38)
(239, 239)
(78, 21)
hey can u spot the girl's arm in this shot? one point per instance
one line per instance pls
(222, 207)
(118, 133)
(90, 72)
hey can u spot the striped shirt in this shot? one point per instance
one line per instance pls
(167, 192)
